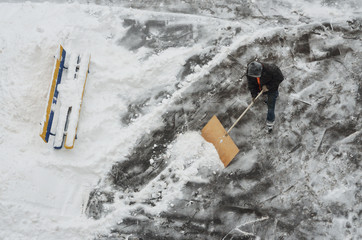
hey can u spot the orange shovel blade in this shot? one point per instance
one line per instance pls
(215, 133)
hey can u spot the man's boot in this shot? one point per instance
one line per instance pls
(269, 126)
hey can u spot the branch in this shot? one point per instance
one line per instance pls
(244, 224)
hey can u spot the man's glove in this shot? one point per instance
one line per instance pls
(265, 89)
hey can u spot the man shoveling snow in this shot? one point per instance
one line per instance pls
(265, 77)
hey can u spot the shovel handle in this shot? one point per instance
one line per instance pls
(250, 105)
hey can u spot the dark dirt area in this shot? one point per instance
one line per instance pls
(277, 197)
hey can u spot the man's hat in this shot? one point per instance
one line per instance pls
(254, 69)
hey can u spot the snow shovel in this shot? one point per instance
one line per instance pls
(216, 134)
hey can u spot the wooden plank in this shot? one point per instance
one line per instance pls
(46, 124)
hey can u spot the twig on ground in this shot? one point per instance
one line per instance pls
(299, 100)
(244, 224)
(280, 193)
(321, 141)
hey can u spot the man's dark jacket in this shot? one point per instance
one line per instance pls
(271, 76)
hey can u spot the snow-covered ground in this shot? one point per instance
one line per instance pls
(159, 71)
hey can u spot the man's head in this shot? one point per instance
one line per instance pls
(254, 69)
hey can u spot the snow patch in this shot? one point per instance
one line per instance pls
(191, 159)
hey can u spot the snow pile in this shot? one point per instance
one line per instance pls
(199, 165)
(191, 159)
